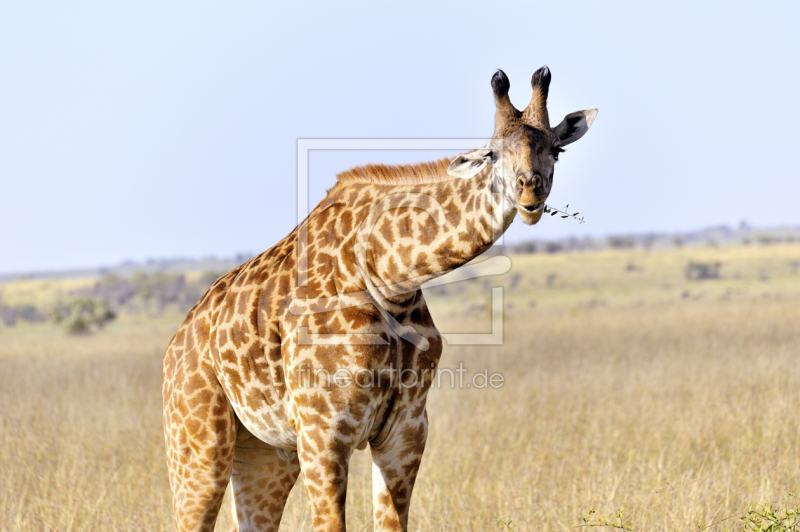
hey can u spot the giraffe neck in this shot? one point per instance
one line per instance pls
(415, 233)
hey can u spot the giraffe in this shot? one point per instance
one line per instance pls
(323, 344)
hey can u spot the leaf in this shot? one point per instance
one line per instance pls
(576, 214)
(553, 213)
(565, 216)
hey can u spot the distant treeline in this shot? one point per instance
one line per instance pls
(11, 314)
(716, 236)
(89, 308)
(149, 294)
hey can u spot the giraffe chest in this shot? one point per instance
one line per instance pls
(346, 369)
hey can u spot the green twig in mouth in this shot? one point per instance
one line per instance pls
(564, 213)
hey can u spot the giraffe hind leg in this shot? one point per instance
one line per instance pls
(199, 434)
(262, 479)
(395, 463)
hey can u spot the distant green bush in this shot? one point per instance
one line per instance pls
(81, 315)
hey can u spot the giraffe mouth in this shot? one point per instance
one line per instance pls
(530, 214)
(531, 208)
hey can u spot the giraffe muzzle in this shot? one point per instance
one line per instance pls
(530, 198)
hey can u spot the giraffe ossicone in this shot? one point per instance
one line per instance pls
(266, 379)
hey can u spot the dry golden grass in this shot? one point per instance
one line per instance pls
(81, 444)
(684, 411)
(682, 414)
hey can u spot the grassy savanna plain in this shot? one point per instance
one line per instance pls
(626, 386)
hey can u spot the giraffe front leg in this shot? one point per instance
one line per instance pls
(324, 460)
(395, 463)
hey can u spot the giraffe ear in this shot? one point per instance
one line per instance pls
(575, 125)
(470, 164)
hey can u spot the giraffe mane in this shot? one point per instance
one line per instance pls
(401, 174)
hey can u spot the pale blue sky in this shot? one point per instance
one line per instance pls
(131, 130)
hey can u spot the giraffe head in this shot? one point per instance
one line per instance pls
(524, 148)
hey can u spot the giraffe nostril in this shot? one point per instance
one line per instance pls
(521, 182)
